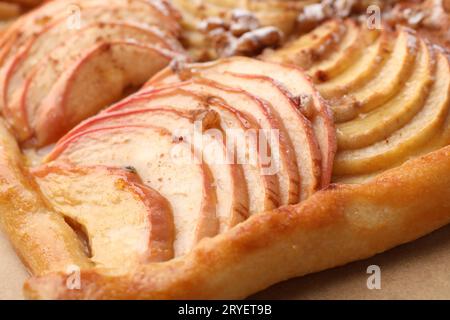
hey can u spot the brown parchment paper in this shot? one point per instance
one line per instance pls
(417, 270)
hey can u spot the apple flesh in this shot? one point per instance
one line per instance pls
(394, 114)
(410, 139)
(163, 163)
(98, 79)
(126, 223)
(232, 194)
(282, 161)
(291, 78)
(32, 65)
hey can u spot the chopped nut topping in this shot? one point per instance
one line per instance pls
(242, 35)
(213, 23)
(253, 42)
(243, 21)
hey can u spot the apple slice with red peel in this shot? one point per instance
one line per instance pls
(378, 124)
(410, 139)
(163, 163)
(61, 58)
(170, 96)
(293, 80)
(98, 79)
(299, 129)
(127, 225)
(55, 33)
(34, 23)
(231, 189)
(263, 188)
(283, 160)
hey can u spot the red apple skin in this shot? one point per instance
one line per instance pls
(16, 111)
(322, 120)
(162, 230)
(208, 222)
(287, 157)
(54, 117)
(20, 36)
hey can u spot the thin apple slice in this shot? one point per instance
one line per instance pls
(294, 81)
(383, 121)
(55, 31)
(127, 225)
(309, 48)
(406, 141)
(96, 80)
(282, 161)
(360, 71)
(355, 40)
(299, 128)
(263, 189)
(389, 80)
(62, 57)
(51, 31)
(33, 24)
(231, 189)
(280, 14)
(25, 54)
(167, 165)
(51, 11)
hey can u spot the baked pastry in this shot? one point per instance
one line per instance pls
(215, 180)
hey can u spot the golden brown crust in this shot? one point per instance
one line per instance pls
(40, 236)
(336, 226)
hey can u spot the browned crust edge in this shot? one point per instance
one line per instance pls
(334, 227)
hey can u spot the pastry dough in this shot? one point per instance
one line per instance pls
(134, 206)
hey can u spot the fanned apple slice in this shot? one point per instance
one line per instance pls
(263, 189)
(409, 139)
(52, 11)
(231, 189)
(281, 161)
(299, 129)
(360, 71)
(389, 80)
(96, 80)
(294, 81)
(355, 40)
(310, 47)
(33, 24)
(51, 35)
(127, 225)
(18, 110)
(165, 164)
(382, 122)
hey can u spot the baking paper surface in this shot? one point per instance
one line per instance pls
(417, 270)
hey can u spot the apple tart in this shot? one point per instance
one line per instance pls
(218, 179)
